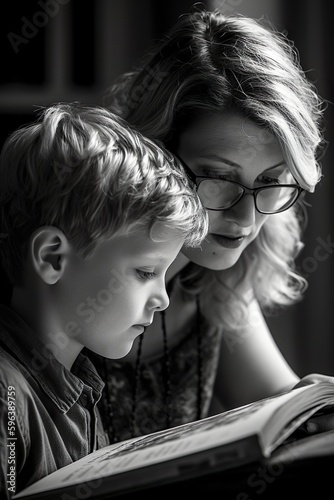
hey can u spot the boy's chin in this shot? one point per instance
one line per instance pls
(118, 353)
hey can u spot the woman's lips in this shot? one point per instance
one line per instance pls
(227, 241)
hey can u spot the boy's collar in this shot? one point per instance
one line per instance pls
(62, 386)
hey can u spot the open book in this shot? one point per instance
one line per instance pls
(240, 436)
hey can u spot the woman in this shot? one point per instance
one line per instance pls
(226, 95)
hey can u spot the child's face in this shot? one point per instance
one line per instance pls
(107, 299)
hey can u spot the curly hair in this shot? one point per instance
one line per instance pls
(210, 62)
(86, 171)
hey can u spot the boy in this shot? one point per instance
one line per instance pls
(91, 214)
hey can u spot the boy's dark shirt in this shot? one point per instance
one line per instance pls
(56, 419)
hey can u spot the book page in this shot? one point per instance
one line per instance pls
(233, 426)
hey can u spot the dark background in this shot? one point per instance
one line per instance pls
(61, 50)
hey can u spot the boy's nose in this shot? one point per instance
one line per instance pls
(159, 300)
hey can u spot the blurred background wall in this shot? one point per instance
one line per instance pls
(60, 50)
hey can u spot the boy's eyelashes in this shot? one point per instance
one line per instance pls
(145, 275)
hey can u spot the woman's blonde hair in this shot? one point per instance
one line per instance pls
(86, 171)
(210, 62)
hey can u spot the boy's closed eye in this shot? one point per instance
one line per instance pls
(145, 275)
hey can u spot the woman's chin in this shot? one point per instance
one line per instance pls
(214, 259)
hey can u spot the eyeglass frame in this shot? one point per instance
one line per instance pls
(246, 190)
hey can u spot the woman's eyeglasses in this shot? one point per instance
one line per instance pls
(220, 194)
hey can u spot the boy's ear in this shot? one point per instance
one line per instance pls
(49, 250)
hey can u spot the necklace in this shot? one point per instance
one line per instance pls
(109, 414)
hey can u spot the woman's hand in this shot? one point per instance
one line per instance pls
(324, 421)
(313, 378)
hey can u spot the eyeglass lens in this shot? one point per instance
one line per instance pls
(221, 194)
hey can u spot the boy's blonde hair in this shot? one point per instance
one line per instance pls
(86, 171)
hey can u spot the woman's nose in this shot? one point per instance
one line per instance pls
(243, 213)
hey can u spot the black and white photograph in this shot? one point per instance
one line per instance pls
(166, 249)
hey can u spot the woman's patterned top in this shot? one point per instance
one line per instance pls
(152, 410)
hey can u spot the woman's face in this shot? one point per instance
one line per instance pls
(231, 146)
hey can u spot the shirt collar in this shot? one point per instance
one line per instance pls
(62, 386)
